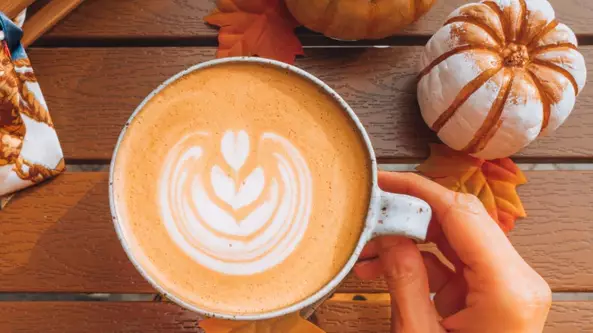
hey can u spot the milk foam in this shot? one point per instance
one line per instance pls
(231, 225)
(303, 155)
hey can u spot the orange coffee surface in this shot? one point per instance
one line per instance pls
(188, 142)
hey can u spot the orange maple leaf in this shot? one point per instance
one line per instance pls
(292, 323)
(494, 182)
(256, 27)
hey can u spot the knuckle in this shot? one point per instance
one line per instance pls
(463, 202)
(538, 293)
(532, 295)
(469, 202)
(403, 273)
(466, 199)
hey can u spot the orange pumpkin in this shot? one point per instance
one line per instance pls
(357, 19)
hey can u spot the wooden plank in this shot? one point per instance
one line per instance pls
(374, 317)
(113, 317)
(92, 92)
(58, 237)
(14, 7)
(153, 317)
(184, 19)
(46, 18)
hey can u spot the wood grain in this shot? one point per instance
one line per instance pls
(113, 317)
(91, 93)
(58, 237)
(13, 7)
(153, 317)
(46, 18)
(374, 317)
(184, 19)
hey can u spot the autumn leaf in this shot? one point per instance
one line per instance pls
(256, 27)
(494, 182)
(292, 323)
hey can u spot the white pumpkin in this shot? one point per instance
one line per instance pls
(498, 74)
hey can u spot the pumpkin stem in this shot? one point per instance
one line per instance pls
(515, 55)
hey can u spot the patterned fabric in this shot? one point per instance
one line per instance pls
(29, 148)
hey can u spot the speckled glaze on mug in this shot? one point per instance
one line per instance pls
(388, 214)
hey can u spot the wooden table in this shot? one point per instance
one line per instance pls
(97, 65)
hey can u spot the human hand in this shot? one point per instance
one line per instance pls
(492, 288)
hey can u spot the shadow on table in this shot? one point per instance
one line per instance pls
(58, 237)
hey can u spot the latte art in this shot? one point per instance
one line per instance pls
(240, 209)
(252, 192)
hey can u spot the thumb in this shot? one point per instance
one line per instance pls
(407, 281)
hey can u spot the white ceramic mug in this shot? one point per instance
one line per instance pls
(388, 213)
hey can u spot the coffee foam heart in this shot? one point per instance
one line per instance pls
(229, 222)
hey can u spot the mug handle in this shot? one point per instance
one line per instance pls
(403, 215)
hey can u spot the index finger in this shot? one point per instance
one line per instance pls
(472, 233)
(435, 195)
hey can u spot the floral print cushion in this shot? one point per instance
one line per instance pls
(29, 148)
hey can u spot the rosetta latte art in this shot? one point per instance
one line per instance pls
(239, 207)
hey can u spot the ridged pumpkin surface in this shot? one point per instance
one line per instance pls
(498, 74)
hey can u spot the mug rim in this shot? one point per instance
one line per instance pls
(365, 235)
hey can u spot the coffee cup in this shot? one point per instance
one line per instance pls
(174, 246)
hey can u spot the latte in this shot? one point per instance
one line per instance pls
(241, 188)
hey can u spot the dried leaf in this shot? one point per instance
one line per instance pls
(494, 182)
(256, 27)
(292, 323)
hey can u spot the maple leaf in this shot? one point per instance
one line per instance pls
(256, 27)
(292, 323)
(494, 182)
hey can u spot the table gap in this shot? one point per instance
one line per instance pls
(137, 297)
(76, 297)
(556, 296)
(398, 167)
(402, 166)
(310, 40)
